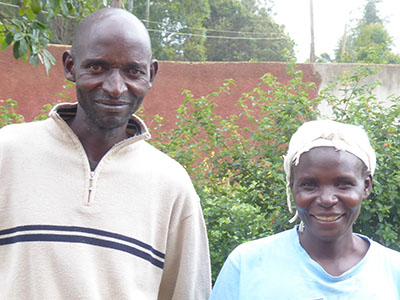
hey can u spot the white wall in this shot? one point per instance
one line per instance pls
(388, 75)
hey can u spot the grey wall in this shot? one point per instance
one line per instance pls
(388, 75)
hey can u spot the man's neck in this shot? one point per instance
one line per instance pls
(96, 141)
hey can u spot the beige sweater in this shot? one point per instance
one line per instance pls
(132, 229)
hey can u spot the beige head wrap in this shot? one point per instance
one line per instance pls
(329, 133)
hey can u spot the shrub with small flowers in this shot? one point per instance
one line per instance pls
(237, 170)
(380, 214)
(8, 115)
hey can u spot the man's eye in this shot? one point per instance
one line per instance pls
(134, 71)
(96, 68)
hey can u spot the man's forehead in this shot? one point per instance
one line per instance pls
(107, 24)
(114, 21)
(111, 13)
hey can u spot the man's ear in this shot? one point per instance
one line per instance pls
(153, 71)
(367, 186)
(68, 62)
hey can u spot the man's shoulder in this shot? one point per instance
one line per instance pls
(169, 174)
(155, 154)
(158, 159)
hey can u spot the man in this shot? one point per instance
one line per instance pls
(88, 209)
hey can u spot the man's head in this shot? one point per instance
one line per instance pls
(112, 66)
(327, 133)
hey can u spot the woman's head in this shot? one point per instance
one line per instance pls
(327, 134)
(328, 187)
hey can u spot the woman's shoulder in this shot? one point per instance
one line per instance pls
(275, 243)
(382, 255)
(389, 252)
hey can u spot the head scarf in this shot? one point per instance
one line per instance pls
(327, 133)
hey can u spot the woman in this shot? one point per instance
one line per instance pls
(329, 168)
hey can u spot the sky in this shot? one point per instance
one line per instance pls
(330, 19)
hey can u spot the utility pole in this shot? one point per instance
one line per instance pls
(116, 3)
(147, 13)
(343, 48)
(312, 48)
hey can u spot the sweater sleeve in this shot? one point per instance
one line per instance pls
(187, 273)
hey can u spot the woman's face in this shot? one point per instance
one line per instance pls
(328, 187)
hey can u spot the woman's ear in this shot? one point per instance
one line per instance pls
(68, 62)
(367, 185)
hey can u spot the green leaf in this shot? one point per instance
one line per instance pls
(9, 38)
(33, 60)
(43, 42)
(39, 25)
(50, 14)
(46, 58)
(64, 9)
(46, 64)
(3, 42)
(40, 56)
(35, 48)
(29, 13)
(19, 48)
(54, 6)
(25, 56)
(19, 23)
(47, 54)
(36, 6)
(21, 11)
(18, 36)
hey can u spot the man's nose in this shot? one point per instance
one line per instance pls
(327, 197)
(114, 84)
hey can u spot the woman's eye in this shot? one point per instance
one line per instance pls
(307, 185)
(344, 185)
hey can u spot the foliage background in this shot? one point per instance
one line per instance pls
(368, 41)
(237, 170)
(181, 30)
(187, 30)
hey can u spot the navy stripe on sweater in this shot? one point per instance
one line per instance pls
(43, 237)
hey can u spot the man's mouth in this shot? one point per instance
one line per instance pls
(112, 103)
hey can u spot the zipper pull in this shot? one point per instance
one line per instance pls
(90, 185)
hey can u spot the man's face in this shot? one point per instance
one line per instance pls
(328, 187)
(113, 71)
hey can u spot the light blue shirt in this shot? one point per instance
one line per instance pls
(277, 267)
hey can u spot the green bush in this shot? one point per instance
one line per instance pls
(8, 115)
(238, 170)
(380, 215)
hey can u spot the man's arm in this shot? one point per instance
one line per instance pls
(187, 274)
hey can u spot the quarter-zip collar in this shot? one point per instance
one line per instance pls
(136, 131)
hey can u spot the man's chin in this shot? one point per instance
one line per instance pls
(110, 122)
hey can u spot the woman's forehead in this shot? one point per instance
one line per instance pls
(328, 158)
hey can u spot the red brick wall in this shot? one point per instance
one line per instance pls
(32, 88)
